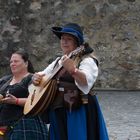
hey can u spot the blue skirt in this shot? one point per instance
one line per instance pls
(86, 123)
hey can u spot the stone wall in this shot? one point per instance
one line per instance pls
(112, 27)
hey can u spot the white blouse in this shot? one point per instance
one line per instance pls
(87, 65)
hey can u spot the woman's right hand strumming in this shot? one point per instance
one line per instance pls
(37, 77)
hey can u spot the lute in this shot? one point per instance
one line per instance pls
(42, 95)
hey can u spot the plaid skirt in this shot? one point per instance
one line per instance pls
(28, 128)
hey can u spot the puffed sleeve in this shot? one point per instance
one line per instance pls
(90, 69)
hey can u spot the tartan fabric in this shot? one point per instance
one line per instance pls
(28, 128)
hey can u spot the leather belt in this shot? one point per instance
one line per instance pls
(64, 87)
(62, 91)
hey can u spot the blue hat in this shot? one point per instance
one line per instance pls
(72, 29)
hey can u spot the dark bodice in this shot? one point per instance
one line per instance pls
(9, 112)
(64, 76)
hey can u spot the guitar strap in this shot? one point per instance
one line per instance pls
(56, 63)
